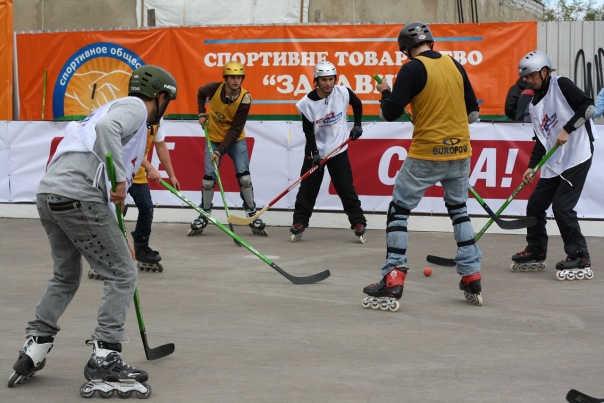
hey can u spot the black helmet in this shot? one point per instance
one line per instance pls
(413, 34)
(150, 80)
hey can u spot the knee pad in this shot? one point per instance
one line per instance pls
(458, 213)
(207, 192)
(247, 190)
(395, 213)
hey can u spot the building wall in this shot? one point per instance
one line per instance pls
(50, 15)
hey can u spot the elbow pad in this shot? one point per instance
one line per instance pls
(589, 112)
(473, 117)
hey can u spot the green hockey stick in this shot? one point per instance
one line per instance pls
(315, 278)
(150, 353)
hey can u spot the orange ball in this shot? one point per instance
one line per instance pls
(427, 271)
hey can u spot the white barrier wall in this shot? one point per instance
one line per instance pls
(500, 155)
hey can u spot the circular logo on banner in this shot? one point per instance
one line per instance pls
(92, 76)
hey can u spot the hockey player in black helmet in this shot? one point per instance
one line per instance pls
(72, 200)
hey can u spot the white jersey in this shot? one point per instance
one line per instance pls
(548, 117)
(80, 136)
(329, 118)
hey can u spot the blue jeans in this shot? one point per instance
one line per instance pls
(412, 181)
(142, 198)
(76, 229)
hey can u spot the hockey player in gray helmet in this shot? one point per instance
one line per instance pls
(443, 105)
(72, 202)
(561, 114)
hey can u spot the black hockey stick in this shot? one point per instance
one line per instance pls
(574, 396)
(224, 202)
(150, 353)
(443, 261)
(315, 278)
(523, 222)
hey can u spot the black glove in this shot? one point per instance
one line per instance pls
(315, 157)
(356, 132)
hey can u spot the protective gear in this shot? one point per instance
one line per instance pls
(315, 157)
(150, 80)
(356, 132)
(589, 112)
(412, 34)
(534, 61)
(247, 190)
(233, 69)
(207, 192)
(325, 69)
(473, 117)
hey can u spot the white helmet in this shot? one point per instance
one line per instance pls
(534, 61)
(325, 68)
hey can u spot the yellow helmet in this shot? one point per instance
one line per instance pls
(233, 69)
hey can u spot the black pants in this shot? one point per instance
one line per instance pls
(341, 175)
(563, 198)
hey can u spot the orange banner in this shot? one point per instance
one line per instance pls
(6, 59)
(279, 63)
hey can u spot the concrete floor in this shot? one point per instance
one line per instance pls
(244, 333)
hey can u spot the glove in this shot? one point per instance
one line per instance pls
(316, 158)
(356, 132)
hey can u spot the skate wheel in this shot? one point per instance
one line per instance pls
(394, 306)
(532, 268)
(560, 275)
(580, 275)
(570, 275)
(13, 379)
(375, 305)
(146, 394)
(85, 392)
(384, 305)
(160, 268)
(513, 267)
(296, 238)
(125, 395)
(106, 395)
(363, 239)
(366, 303)
(589, 275)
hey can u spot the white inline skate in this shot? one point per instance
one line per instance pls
(386, 293)
(32, 358)
(577, 268)
(528, 261)
(107, 373)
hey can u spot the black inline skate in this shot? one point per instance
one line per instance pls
(107, 373)
(574, 268)
(297, 229)
(148, 259)
(359, 230)
(472, 289)
(386, 293)
(32, 358)
(258, 226)
(528, 261)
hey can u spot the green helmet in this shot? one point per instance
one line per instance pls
(150, 80)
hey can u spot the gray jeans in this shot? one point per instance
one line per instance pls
(412, 181)
(76, 229)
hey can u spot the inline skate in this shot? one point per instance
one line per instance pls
(386, 293)
(528, 261)
(574, 268)
(32, 358)
(148, 259)
(472, 289)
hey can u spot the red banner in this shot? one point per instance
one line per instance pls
(279, 63)
(6, 59)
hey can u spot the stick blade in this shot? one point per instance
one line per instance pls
(575, 396)
(440, 261)
(233, 219)
(516, 224)
(315, 278)
(157, 352)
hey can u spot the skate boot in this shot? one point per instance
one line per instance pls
(32, 358)
(198, 224)
(297, 229)
(258, 226)
(574, 268)
(359, 230)
(148, 259)
(528, 261)
(106, 373)
(385, 294)
(92, 274)
(470, 285)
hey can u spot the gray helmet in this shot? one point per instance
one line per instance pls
(325, 68)
(412, 34)
(534, 61)
(150, 80)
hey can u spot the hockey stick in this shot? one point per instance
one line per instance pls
(574, 396)
(224, 202)
(512, 224)
(442, 261)
(150, 353)
(244, 221)
(315, 278)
